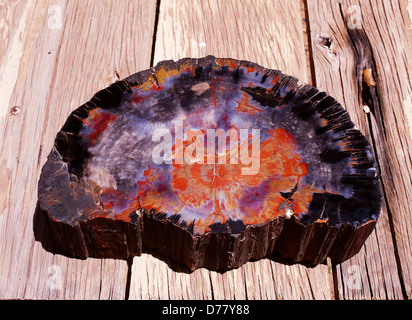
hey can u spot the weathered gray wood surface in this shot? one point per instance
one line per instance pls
(55, 54)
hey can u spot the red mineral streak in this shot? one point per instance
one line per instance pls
(220, 191)
(227, 62)
(244, 105)
(121, 204)
(98, 121)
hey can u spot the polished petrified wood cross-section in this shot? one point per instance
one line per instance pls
(211, 163)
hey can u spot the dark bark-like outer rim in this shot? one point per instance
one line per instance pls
(214, 251)
(285, 239)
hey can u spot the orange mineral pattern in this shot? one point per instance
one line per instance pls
(211, 162)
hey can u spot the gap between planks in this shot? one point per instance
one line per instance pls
(156, 24)
(333, 277)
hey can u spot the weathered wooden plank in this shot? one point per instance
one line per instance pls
(18, 130)
(66, 51)
(348, 37)
(268, 33)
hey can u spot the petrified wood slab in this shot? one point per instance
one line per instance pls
(213, 163)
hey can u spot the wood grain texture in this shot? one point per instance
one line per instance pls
(270, 34)
(342, 48)
(62, 60)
